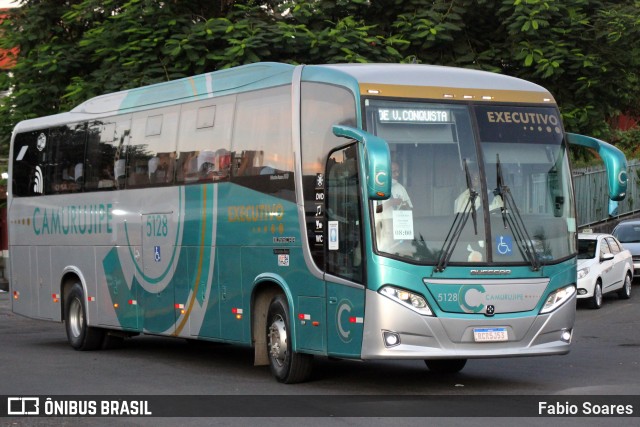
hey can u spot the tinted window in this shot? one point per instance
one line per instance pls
(103, 146)
(343, 237)
(151, 151)
(613, 245)
(587, 248)
(627, 233)
(204, 141)
(322, 107)
(135, 151)
(49, 161)
(262, 155)
(29, 158)
(66, 165)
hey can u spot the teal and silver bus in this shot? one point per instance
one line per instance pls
(362, 212)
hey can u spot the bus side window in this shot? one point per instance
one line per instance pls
(28, 163)
(187, 167)
(65, 169)
(101, 151)
(151, 148)
(204, 139)
(137, 167)
(323, 105)
(262, 157)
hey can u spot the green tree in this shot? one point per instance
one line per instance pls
(47, 56)
(586, 52)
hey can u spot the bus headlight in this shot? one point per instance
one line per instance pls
(557, 298)
(583, 272)
(415, 302)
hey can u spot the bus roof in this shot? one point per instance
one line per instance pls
(406, 80)
(440, 82)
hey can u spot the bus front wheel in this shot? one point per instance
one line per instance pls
(445, 366)
(79, 334)
(286, 365)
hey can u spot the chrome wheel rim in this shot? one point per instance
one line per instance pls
(76, 319)
(278, 341)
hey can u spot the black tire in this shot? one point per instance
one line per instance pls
(445, 366)
(287, 366)
(80, 336)
(625, 290)
(595, 301)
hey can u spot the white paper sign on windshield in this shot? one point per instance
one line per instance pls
(403, 225)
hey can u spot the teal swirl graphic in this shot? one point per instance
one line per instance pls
(194, 255)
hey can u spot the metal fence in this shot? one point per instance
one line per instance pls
(592, 194)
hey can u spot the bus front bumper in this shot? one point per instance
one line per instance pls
(427, 337)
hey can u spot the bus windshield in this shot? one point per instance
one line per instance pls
(473, 184)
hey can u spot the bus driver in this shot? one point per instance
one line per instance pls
(399, 197)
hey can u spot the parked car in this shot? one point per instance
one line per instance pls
(603, 266)
(628, 233)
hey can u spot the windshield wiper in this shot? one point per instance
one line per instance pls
(459, 222)
(515, 221)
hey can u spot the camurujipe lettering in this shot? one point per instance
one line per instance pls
(255, 213)
(504, 297)
(73, 219)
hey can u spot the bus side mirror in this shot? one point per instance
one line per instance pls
(377, 160)
(614, 161)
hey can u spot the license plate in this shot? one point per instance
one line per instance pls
(490, 334)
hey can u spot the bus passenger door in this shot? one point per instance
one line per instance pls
(344, 257)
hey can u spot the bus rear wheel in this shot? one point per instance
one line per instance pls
(445, 366)
(286, 365)
(79, 334)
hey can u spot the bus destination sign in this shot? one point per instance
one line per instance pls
(413, 115)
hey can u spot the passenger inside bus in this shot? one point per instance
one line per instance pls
(78, 173)
(461, 201)
(105, 180)
(250, 163)
(400, 199)
(206, 165)
(187, 167)
(161, 168)
(119, 172)
(388, 225)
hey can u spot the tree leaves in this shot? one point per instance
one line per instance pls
(586, 52)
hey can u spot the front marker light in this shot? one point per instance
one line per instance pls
(411, 300)
(557, 298)
(583, 273)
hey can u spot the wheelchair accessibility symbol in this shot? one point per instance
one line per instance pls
(504, 245)
(156, 253)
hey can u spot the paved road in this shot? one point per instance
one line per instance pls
(35, 359)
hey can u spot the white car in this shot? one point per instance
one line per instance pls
(603, 266)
